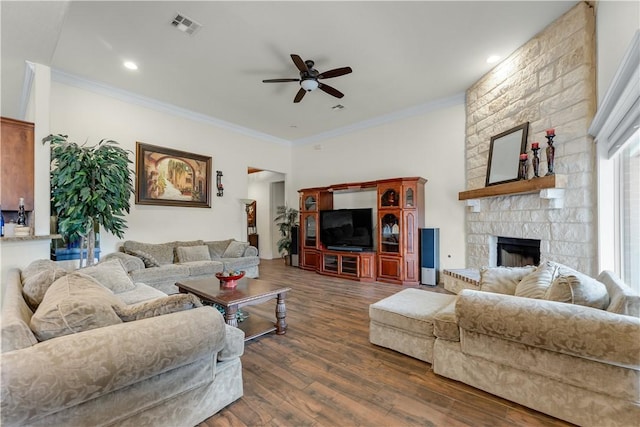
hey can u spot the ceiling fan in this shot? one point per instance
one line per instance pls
(309, 77)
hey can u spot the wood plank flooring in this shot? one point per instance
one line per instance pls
(324, 371)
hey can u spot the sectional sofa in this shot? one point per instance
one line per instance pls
(161, 265)
(93, 348)
(545, 337)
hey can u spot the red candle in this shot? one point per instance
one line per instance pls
(551, 132)
(523, 156)
(534, 145)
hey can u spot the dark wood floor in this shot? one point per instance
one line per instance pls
(324, 371)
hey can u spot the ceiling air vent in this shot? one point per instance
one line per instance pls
(185, 24)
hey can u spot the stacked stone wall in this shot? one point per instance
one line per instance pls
(549, 82)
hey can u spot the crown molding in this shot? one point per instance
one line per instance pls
(154, 104)
(25, 95)
(377, 121)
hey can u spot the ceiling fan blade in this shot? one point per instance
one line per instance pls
(299, 95)
(299, 62)
(335, 73)
(280, 80)
(330, 90)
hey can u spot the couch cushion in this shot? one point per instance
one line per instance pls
(74, 303)
(148, 259)
(201, 268)
(578, 289)
(502, 280)
(235, 249)
(166, 272)
(157, 307)
(445, 325)
(162, 252)
(140, 293)
(217, 248)
(184, 244)
(193, 253)
(242, 263)
(35, 285)
(110, 274)
(623, 300)
(410, 309)
(536, 283)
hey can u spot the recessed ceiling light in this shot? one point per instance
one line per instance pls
(130, 65)
(493, 59)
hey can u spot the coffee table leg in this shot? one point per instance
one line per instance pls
(281, 314)
(230, 315)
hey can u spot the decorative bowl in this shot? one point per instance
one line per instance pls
(231, 280)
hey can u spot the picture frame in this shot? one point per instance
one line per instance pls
(168, 177)
(504, 155)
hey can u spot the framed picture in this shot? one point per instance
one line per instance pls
(504, 155)
(251, 215)
(172, 178)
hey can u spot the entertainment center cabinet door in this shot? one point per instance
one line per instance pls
(309, 259)
(389, 268)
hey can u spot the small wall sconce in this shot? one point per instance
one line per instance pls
(219, 185)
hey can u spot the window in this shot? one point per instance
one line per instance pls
(616, 128)
(627, 169)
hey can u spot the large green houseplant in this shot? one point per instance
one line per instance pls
(285, 219)
(90, 185)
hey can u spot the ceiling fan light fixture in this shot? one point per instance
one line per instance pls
(309, 84)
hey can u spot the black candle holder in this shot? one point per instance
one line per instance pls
(219, 185)
(551, 152)
(524, 167)
(536, 162)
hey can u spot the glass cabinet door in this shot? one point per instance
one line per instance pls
(310, 203)
(408, 198)
(390, 233)
(390, 198)
(310, 230)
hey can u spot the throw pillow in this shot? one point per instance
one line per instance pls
(36, 267)
(502, 280)
(148, 259)
(74, 303)
(217, 248)
(536, 283)
(235, 249)
(162, 252)
(35, 286)
(157, 307)
(193, 253)
(111, 274)
(578, 289)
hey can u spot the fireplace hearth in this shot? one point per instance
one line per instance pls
(515, 252)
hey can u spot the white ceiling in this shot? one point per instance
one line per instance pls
(405, 56)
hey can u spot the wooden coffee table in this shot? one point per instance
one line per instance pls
(248, 292)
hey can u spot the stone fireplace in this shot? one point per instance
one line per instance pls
(550, 83)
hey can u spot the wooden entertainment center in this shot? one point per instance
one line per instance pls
(396, 255)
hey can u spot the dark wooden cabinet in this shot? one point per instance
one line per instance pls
(400, 215)
(16, 164)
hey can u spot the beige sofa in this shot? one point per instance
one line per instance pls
(161, 265)
(118, 355)
(574, 362)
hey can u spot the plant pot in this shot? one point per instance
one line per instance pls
(287, 260)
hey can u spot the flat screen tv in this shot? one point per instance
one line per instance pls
(347, 229)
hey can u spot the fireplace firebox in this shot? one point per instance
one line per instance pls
(515, 252)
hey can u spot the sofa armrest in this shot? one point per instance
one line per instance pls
(565, 328)
(66, 371)
(250, 251)
(130, 262)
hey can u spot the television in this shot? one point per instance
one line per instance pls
(347, 229)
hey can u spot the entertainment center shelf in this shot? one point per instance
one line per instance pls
(395, 256)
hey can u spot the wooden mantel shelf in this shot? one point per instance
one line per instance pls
(550, 187)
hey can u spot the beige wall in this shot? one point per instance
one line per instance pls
(430, 145)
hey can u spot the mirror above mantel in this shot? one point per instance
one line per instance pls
(504, 154)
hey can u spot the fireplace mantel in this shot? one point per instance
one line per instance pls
(551, 187)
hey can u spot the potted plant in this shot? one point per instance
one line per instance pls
(90, 187)
(286, 219)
